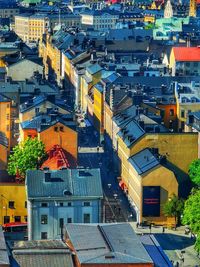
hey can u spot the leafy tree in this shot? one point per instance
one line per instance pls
(174, 207)
(26, 155)
(191, 215)
(194, 171)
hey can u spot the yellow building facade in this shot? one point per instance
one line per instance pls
(13, 203)
(156, 177)
(98, 113)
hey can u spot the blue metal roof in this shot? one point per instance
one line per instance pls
(107, 244)
(92, 69)
(143, 161)
(78, 182)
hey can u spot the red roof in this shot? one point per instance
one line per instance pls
(58, 158)
(15, 224)
(187, 53)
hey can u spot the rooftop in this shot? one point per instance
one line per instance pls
(187, 53)
(106, 244)
(64, 183)
(143, 161)
(43, 253)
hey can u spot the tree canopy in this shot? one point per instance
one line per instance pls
(194, 171)
(174, 207)
(26, 155)
(191, 215)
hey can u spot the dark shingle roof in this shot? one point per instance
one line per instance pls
(76, 182)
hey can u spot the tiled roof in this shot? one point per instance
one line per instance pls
(77, 182)
(187, 53)
(143, 161)
(106, 244)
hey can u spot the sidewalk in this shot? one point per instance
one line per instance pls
(178, 246)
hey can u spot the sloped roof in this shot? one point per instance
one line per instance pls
(187, 53)
(107, 244)
(143, 161)
(79, 182)
(48, 253)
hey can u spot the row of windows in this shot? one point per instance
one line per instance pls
(69, 204)
(11, 204)
(16, 219)
(44, 219)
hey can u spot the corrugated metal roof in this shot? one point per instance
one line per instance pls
(106, 244)
(78, 182)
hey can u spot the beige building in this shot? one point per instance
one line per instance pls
(30, 28)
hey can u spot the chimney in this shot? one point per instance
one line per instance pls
(47, 176)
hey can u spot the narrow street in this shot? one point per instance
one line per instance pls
(116, 206)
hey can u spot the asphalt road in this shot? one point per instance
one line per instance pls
(92, 155)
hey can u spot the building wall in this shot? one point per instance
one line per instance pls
(3, 157)
(169, 116)
(28, 67)
(22, 27)
(186, 108)
(16, 193)
(67, 139)
(159, 176)
(55, 211)
(9, 12)
(98, 111)
(179, 148)
(168, 184)
(5, 120)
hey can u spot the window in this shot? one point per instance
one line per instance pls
(44, 205)
(37, 110)
(61, 128)
(44, 219)
(11, 204)
(69, 220)
(86, 204)
(86, 218)
(6, 219)
(43, 235)
(61, 204)
(56, 129)
(61, 222)
(182, 113)
(171, 112)
(17, 218)
(25, 218)
(69, 204)
(25, 204)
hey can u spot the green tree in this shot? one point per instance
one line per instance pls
(26, 155)
(194, 172)
(174, 208)
(191, 215)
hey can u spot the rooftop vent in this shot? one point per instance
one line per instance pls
(67, 192)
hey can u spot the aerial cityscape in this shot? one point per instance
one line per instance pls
(99, 133)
